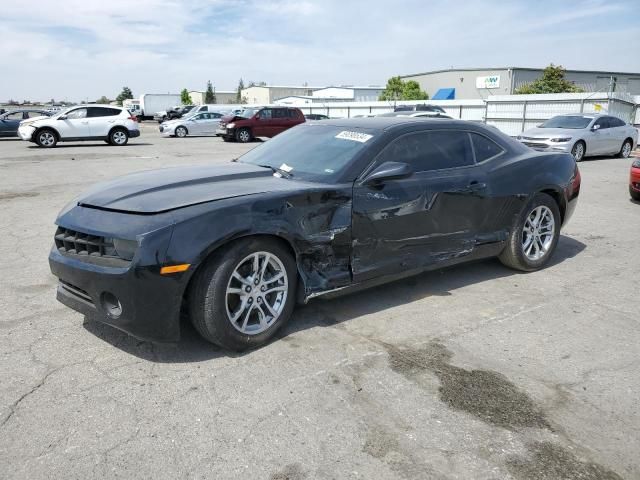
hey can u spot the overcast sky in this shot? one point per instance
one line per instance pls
(83, 49)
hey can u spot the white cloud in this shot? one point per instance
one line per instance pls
(79, 49)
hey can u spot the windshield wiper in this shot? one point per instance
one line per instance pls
(281, 172)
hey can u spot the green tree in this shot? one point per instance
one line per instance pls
(551, 81)
(124, 94)
(209, 95)
(239, 91)
(185, 98)
(103, 100)
(396, 89)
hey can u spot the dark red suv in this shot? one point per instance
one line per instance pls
(258, 122)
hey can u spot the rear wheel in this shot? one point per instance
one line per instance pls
(244, 135)
(244, 294)
(46, 138)
(625, 151)
(635, 195)
(181, 132)
(118, 137)
(578, 150)
(534, 237)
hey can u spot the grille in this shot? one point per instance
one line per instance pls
(536, 145)
(78, 243)
(537, 139)
(76, 291)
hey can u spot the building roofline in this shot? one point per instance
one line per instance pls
(529, 69)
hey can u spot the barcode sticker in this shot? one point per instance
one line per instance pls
(354, 136)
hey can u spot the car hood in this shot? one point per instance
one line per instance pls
(551, 132)
(32, 120)
(158, 191)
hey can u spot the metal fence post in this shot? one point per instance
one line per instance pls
(524, 116)
(460, 113)
(582, 105)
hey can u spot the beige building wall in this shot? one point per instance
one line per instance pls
(197, 97)
(268, 94)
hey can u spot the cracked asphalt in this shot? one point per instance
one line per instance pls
(471, 372)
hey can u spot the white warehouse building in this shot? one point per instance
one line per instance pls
(334, 94)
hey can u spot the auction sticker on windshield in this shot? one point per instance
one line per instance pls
(355, 136)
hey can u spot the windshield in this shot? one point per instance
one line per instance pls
(314, 152)
(570, 121)
(247, 113)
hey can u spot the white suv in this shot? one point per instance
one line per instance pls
(114, 125)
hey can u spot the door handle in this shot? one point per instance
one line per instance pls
(477, 186)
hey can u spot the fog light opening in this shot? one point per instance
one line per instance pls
(111, 304)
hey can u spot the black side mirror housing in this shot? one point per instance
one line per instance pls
(388, 171)
(63, 117)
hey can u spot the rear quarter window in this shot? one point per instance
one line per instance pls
(103, 112)
(484, 147)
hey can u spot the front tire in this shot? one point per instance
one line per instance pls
(626, 148)
(118, 137)
(181, 132)
(46, 138)
(244, 294)
(534, 237)
(244, 135)
(634, 195)
(578, 150)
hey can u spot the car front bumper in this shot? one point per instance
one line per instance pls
(222, 131)
(634, 180)
(545, 145)
(26, 133)
(149, 303)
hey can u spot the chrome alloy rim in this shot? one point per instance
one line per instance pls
(537, 233)
(578, 151)
(256, 293)
(119, 137)
(626, 149)
(244, 135)
(181, 132)
(47, 139)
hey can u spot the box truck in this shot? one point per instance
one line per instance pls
(150, 103)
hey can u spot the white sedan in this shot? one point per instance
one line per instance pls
(203, 123)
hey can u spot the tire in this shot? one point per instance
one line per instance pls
(626, 148)
(216, 295)
(578, 151)
(244, 135)
(46, 138)
(635, 195)
(181, 132)
(519, 252)
(118, 137)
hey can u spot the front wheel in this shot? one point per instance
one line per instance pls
(244, 135)
(578, 151)
(244, 294)
(625, 151)
(181, 132)
(46, 138)
(534, 237)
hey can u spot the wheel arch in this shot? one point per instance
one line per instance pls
(216, 247)
(117, 127)
(37, 131)
(557, 195)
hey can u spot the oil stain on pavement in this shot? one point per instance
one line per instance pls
(492, 398)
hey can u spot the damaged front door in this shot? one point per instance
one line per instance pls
(432, 215)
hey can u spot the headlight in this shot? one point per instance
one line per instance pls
(124, 249)
(636, 164)
(231, 125)
(561, 140)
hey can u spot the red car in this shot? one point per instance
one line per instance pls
(258, 122)
(634, 180)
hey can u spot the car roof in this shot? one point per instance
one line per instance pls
(386, 123)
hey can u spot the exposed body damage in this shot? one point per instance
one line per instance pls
(343, 230)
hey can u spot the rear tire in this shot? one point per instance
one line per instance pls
(244, 135)
(46, 138)
(232, 303)
(626, 148)
(534, 236)
(578, 151)
(118, 137)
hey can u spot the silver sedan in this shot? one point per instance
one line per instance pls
(583, 136)
(203, 123)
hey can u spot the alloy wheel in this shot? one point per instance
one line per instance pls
(538, 232)
(47, 139)
(119, 137)
(626, 150)
(181, 132)
(244, 136)
(578, 151)
(256, 293)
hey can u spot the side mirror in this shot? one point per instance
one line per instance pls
(388, 171)
(257, 117)
(595, 127)
(63, 117)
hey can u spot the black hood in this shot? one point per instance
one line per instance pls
(157, 191)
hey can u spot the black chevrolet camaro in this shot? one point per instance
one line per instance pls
(327, 206)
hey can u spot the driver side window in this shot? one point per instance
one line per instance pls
(265, 114)
(76, 114)
(603, 122)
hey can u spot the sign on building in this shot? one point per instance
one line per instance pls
(492, 81)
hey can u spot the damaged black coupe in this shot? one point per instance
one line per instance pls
(324, 207)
